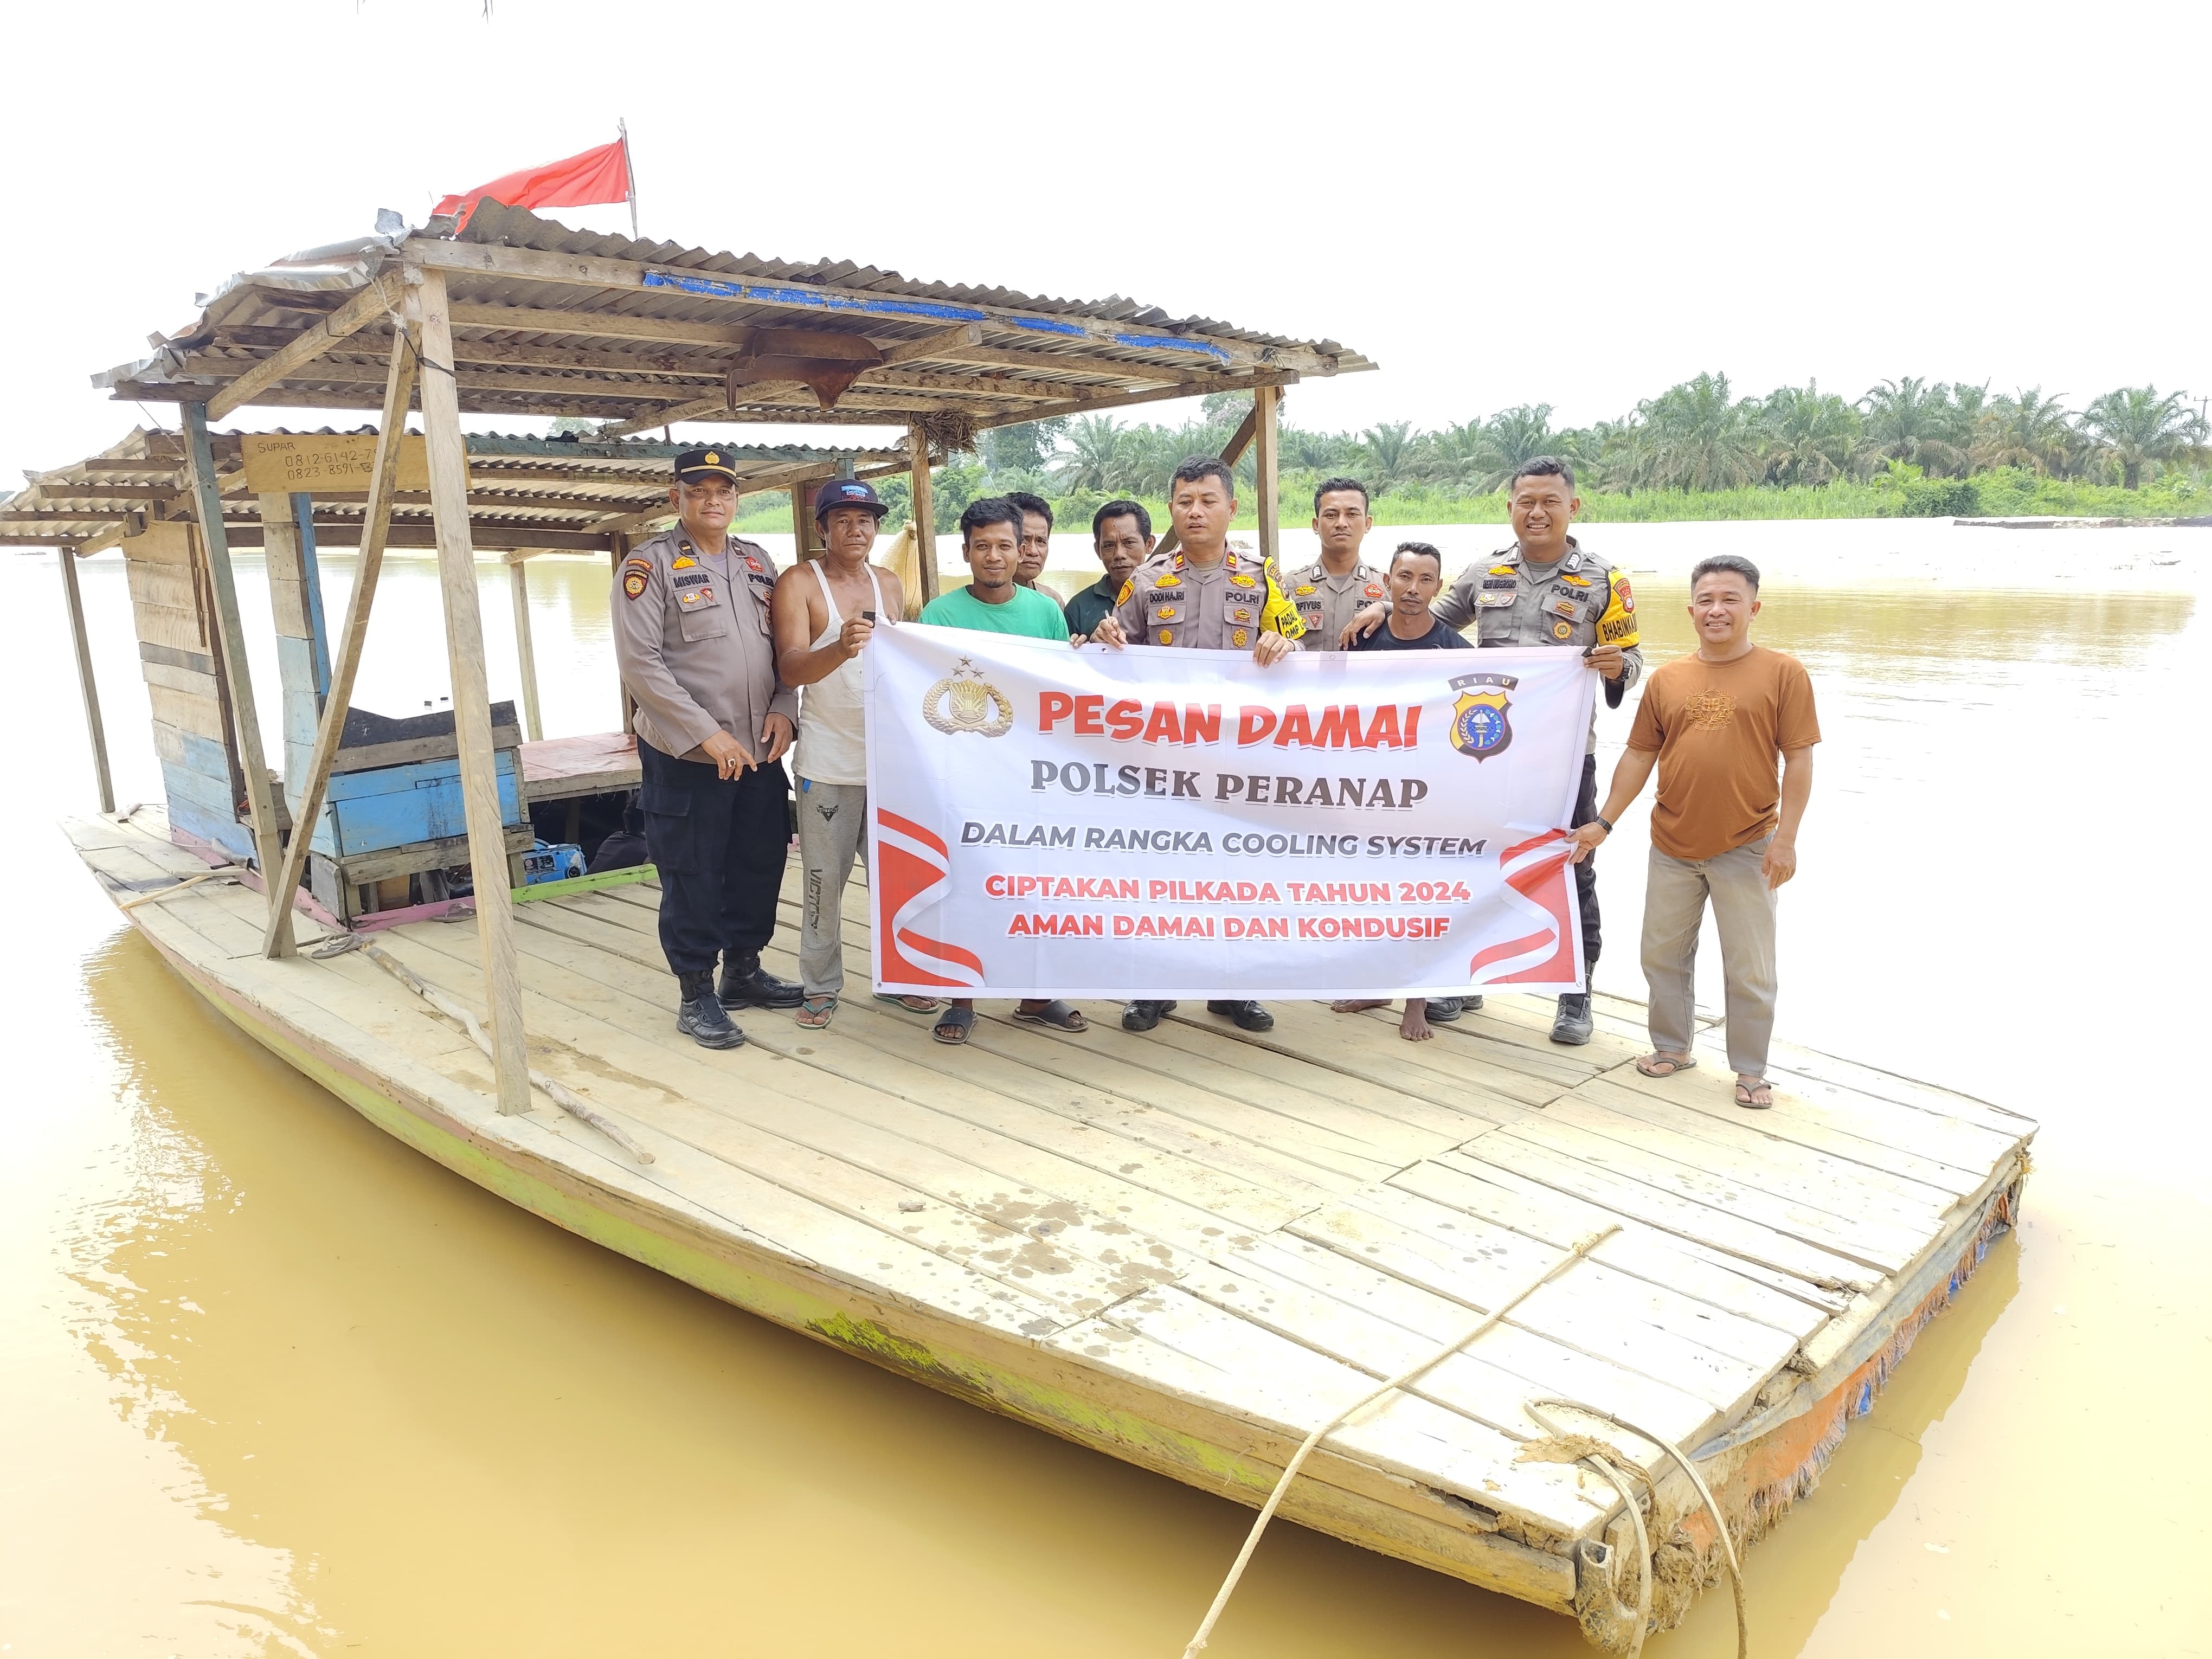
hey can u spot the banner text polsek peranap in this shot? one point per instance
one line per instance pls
(1149, 822)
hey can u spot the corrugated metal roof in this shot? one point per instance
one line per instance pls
(669, 324)
(565, 491)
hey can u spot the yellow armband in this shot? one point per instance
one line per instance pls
(1280, 616)
(1618, 625)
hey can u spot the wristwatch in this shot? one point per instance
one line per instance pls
(1599, 818)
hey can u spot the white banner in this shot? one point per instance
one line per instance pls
(1157, 823)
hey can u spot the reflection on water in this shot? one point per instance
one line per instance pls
(277, 1384)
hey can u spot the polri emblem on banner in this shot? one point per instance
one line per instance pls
(963, 701)
(1480, 725)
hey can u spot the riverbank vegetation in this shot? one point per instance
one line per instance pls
(1908, 447)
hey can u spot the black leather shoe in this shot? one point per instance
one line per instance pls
(1442, 1010)
(746, 984)
(1142, 1016)
(1572, 1025)
(703, 1020)
(1249, 1016)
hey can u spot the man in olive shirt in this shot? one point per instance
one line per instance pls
(1036, 537)
(690, 617)
(1206, 596)
(1717, 723)
(1546, 590)
(1332, 590)
(1122, 536)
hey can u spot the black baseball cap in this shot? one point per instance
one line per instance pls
(714, 461)
(847, 492)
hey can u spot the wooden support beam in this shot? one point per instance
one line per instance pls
(962, 335)
(806, 535)
(518, 573)
(1065, 362)
(600, 325)
(230, 628)
(584, 271)
(1231, 453)
(924, 510)
(1265, 449)
(1085, 403)
(383, 482)
(87, 687)
(372, 302)
(311, 572)
(456, 578)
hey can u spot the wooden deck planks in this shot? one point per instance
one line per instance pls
(1241, 1228)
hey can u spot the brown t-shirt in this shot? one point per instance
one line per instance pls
(1719, 730)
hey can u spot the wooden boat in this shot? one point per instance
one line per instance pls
(1190, 1249)
(1187, 1249)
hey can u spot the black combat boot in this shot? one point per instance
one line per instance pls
(701, 1018)
(1141, 1016)
(746, 984)
(1248, 1016)
(1572, 1025)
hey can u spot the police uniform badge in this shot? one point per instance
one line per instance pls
(1374, 590)
(1122, 598)
(1303, 588)
(1241, 638)
(635, 573)
(1618, 625)
(1241, 580)
(1562, 630)
(1168, 580)
(1565, 605)
(1480, 725)
(1166, 613)
(1167, 636)
(681, 562)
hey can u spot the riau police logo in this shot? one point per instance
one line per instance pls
(1480, 725)
(963, 701)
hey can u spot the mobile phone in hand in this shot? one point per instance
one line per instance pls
(868, 616)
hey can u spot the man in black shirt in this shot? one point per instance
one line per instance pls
(1416, 576)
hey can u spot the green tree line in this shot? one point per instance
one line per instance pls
(1908, 446)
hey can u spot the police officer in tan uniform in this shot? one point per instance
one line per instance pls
(692, 638)
(1204, 596)
(1546, 590)
(1335, 588)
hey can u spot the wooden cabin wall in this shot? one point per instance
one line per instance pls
(295, 638)
(176, 656)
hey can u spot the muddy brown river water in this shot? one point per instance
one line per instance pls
(272, 1383)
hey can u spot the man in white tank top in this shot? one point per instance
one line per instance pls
(824, 612)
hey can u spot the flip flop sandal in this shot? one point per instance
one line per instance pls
(1649, 1064)
(958, 1021)
(815, 1012)
(1745, 1092)
(911, 1005)
(1061, 1015)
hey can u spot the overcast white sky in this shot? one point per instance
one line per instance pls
(1576, 206)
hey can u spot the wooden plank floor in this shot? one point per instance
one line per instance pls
(1249, 1227)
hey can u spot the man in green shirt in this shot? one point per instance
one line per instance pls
(1122, 536)
(991, 541)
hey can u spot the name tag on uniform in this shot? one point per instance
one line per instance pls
(1500, 584)
(690, 578)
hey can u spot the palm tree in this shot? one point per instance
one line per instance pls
(1618, 454)
(1912, 422)
(1809, 434)
(1701, 437)
(2026, 428)
(1451, 454)
(1511, 438)
(2137, 427)
(1388, 450)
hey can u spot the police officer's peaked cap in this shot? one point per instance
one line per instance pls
(847, 492)
(713, 461)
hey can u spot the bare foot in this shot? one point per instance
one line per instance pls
(1357, 1004)
(1415, 1027)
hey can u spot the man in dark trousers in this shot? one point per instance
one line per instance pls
(1546, 590)
(692, 638)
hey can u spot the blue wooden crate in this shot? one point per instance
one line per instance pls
(391, 806)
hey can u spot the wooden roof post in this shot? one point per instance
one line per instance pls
(805, 541)
(85, 683)
(215, 548)
(464, 648)
(925, 510)
(375, 523)
(283, 551)
(303, 520)
(1266, 401)
(517, 571)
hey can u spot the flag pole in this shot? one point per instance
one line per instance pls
(629, 173)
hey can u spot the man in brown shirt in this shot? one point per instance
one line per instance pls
(1717, 723)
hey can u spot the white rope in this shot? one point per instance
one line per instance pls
(1581, 1247)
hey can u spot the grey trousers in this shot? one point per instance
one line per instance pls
(832, 830)
(1743, 911)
